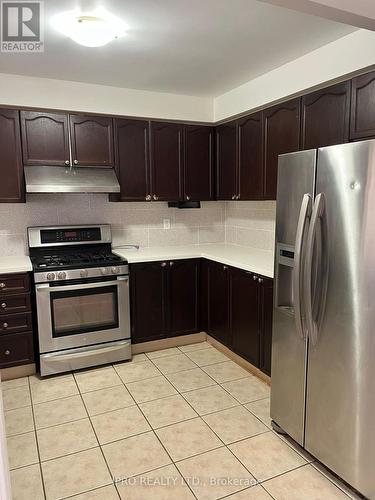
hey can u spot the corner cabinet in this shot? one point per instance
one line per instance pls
(325, 117)
(164, 299)
(132, 160)
(12, 188)
(281, 135)
(362, 116)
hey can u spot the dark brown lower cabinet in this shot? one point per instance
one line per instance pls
(266, 307)
(245, 315)
(219, 303)
(164, 299)
(16, 349)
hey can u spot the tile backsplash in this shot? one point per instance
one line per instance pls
(241, 223)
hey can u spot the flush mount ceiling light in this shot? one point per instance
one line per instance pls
(91, 29)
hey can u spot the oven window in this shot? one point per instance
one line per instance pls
(84, 311)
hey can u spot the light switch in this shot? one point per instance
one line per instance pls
(166, 223)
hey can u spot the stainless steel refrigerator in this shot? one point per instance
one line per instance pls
(323, 350)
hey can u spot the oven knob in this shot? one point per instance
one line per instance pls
(84, 273)
(104, 270)
(115, 270)
(61, 275)
(51, 276)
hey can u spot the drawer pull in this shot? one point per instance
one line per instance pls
(2, 285)
(7, 352)
(3, 305)
(5, 325)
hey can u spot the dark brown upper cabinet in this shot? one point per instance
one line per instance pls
(166, 161)
(362, 119)
(132, 160)
(198, 163)
(91, 140)
(11, 169)
(250, 157)
(281, 135)
(226, 162)
(325, 116)
(45, 138)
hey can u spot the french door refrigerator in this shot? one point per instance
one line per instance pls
(323, 351)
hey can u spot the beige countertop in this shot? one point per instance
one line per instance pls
(15, 264)
(249, 259)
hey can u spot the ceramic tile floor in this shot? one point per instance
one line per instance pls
(175, 424)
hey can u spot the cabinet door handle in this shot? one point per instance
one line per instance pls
(163, 264)
(155, 197)
(5, 325)
(234, 197)
(3, 305)
(225, 268)
(187, 198)
(238, 197)
(67, 163)
(148, 197)
(171, 263)
(75, 162)
(260, 280)
(255, 277)
(7, 352)
(2, 285)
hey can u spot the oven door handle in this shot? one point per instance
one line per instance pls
(45, 287)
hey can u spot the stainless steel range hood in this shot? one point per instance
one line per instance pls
(47, 179)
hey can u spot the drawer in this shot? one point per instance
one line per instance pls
(16, 349)
(14, 323)
(10, 304)
(14, 283)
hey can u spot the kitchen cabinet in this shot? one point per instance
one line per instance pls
(11, 170)
(198, 163)
(226, 162)
(362, 119)
(183, 287)
(91, 140)
(132, 160)
(219, 303)
(245, 314)
(250, 157)
(281, 135)
(166, 161)
(325, 116)
(204, 294)
(16, 321)
(164, 299)
(266, 308)
(45, 138)
(148, 295)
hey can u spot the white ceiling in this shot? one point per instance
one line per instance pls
(192, 47)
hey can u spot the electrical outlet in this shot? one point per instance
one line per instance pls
(166, 223)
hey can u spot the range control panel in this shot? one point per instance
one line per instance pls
(66, 235)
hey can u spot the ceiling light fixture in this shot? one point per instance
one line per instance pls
(93, 29)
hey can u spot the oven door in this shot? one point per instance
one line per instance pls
(76, 315)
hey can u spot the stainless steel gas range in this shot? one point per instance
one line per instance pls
(82, 297)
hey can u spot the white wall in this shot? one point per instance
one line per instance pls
(350, 53)
(21, 91)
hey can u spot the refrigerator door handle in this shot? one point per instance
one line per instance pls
(302, 226)
(317, 213)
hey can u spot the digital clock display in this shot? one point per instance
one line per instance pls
(70, 234)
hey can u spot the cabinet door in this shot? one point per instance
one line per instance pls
(166, 161)
(183, 283)
(16, 349)
(226, 161)
(132, 161)
(266, 303)
(219, 300)
(325, 116)
(92, 140)
(198, 183)
(148, 301)
(11, 169)
(45, 138)
(250, 160)
(362, 116)
(245, 315)
(204, 294)
(281, 135)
